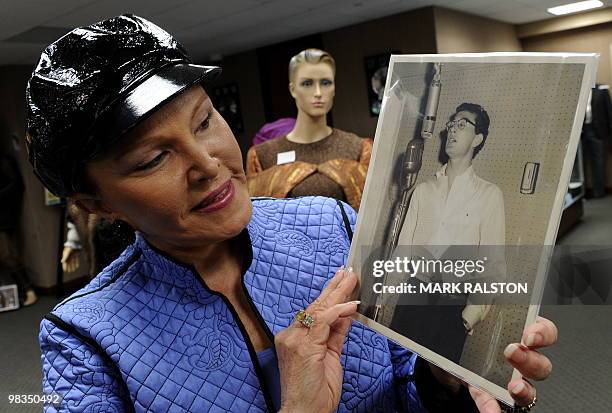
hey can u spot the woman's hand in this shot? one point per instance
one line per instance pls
(524, 357)
(309, 358)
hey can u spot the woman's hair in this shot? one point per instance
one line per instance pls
(310, 56)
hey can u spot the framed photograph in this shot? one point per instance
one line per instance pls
(471, 163)
(9, 298)
(376, 68)
(226, 99)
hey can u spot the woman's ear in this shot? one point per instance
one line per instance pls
(292, 89)
(94, 205)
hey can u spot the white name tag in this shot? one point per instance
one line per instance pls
(285, 157)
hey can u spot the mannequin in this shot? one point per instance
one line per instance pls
(313, 158)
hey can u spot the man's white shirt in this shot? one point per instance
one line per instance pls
(471, 213)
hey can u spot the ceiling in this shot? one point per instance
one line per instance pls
(212, 28)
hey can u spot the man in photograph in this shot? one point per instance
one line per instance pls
(455, 208)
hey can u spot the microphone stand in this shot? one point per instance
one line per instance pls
(410, 171)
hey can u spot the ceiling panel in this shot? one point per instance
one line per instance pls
(197, 12)
(319, 18)
(364, 11)
(519, 14)
(15, 54)
(544, 4)
(424, 3)
(17, 17)
(482, 9)
(226, 26)
(38, 35)
(103, 9)
(263, 18)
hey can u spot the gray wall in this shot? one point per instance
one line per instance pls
(40, 224)
(411, 32)
(458, 32)
(426, 30)
(591, 39)
(242, 68)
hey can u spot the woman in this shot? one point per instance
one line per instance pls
(312, 159)
(198, 314)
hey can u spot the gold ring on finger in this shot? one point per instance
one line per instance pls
(304, 318)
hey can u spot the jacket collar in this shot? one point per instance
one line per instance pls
(172, 267)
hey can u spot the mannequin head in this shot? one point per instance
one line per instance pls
(311, 82)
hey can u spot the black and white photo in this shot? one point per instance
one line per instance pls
(472, 158)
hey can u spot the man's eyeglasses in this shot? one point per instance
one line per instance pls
(459, 124)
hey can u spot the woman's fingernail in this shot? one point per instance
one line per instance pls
(356, 302)
(514, 352)
(531, 340)
(516, 390)
(349, 269)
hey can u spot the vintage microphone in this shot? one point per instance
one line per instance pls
(410, 170)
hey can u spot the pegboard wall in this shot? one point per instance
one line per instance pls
(531, 107)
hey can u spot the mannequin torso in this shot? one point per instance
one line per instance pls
(312, 159)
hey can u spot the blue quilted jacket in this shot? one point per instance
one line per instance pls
(148, 335)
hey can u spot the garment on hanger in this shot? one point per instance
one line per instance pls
(601, 112)
(596, 131)
(273, 130)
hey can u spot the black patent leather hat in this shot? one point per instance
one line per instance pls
(92, 86)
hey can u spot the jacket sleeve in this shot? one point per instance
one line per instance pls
(78, 374)
(404, 363)
(419, 391)
(416, 389)
(403, 360)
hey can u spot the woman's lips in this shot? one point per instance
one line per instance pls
(217, 199)
(318, 104)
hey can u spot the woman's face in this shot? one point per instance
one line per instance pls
(177, 177)
(313, 88)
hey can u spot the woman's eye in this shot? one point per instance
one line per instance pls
(205, 123)
(326, 82)
(152, 163)
(306, 83)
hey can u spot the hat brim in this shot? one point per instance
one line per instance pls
(142, 101)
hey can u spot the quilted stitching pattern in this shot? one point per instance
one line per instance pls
(146, 334)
